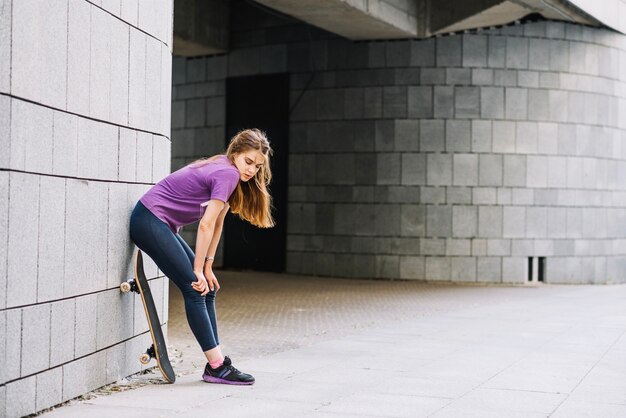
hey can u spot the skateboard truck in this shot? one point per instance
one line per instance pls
(129, 286)
(148, 355)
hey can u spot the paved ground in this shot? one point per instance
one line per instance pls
(335, 347)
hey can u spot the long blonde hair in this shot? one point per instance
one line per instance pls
(250, 200)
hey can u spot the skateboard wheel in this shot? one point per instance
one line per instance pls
(144, 358)
(125, 287)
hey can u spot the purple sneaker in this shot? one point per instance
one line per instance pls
(226, 374)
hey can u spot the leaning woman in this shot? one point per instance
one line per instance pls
(205, 190)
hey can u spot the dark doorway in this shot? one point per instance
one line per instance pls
(260, 102)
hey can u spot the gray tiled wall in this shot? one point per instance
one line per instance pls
(85, 98)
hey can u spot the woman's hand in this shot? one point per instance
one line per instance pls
(210, 277)
(201, 284)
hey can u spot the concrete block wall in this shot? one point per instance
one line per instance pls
(198, 117)
(452, 158)
(85, 99)
(490, 147)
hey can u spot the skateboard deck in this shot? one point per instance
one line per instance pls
(158, 350)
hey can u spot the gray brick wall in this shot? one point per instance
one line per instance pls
(85, 122)
(198, 116)
(473, 153)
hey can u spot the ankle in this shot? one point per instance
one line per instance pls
(216, 363)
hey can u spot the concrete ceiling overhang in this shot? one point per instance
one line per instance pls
(201, 27)
(356, 19)
(495, 15)
(446, 19)
(611, 13)
(393, 19)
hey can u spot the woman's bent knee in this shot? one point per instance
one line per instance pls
(193, 296)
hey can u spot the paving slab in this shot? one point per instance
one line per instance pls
(505, 401)
(387, 405)
(589, 409)
(250, 407)
(341, 348)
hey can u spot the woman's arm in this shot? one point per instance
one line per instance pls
(203, 239)
(217, 233)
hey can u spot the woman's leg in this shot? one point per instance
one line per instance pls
(155, 238)
(210, 297)
(220, 368)
(214, 356)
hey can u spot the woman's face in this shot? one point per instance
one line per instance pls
(248, 163)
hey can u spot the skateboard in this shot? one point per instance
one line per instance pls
(158, 349)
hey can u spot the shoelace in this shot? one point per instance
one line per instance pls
(233, 369)
(229, 365)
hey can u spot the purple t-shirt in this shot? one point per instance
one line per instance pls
(180, 198)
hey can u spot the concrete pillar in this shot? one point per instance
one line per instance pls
(85, 129)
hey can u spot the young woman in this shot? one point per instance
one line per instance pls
(205, 190)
